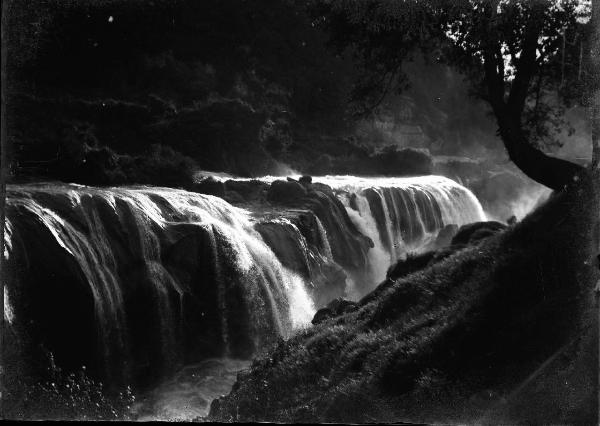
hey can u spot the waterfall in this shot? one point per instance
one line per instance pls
(379, 258)
(133, 280)
(115, 241)
(324, 240)
(402, 215)
(398, 215)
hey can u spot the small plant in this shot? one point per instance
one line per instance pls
(75, 396)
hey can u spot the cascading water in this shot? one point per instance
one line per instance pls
(135, 282)
(402, 215)
(399, 215)
(361, 215)
(121, 247)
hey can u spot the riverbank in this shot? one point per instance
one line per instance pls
(451, 342)
(135, 283)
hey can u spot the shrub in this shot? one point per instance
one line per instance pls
(70, 396)
(475, 320)
(162, 166)
(100, 165)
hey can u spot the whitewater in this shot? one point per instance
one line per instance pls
(160, 281)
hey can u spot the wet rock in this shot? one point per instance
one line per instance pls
(321, 187)
(348, 245)
(210, 186)
(305, 180)
(250, 190)
(285, 192)
(233, 197)
(287, 246)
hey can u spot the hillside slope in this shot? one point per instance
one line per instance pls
(476, 337)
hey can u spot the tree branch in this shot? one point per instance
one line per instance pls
(552, 172)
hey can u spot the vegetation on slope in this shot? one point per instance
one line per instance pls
(446, 343)
(64, 396)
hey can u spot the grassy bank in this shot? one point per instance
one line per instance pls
(458, 341)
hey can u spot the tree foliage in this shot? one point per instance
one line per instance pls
(525, 58)
(136, 70)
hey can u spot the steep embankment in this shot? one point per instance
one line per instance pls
(458, 341)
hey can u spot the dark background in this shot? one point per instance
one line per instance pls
(110, 92)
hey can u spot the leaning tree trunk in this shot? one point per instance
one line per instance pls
(594, 82)
(555, 173)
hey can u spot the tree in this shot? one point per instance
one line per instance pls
(594, 89)
(525, 58)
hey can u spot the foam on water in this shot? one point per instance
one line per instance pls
(379, 258)
(405, 203)
(324, 239)
(187, 395)
(9, 315)
(82, 233)
(413, 210)
(398, 215)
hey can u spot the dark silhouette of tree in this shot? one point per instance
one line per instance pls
(525, 58)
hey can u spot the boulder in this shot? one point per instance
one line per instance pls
(305, 180)
(233, 197)
(284, 192)
(247, 190)
(210, 186)
(412, 263)
(335, 308)
(321, 187)
(474, 232)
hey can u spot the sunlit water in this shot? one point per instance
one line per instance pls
(397, 214)
(424, 203)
